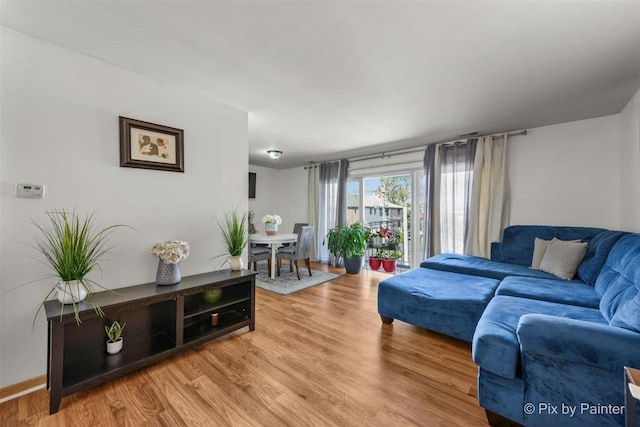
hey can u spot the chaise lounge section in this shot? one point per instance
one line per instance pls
(540, 342)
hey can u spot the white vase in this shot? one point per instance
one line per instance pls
(71, 292)
(236, 263)
(114, 347)
(270, 228)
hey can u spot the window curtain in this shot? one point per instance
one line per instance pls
(456, 180)
(313, 203)
(343, 177)
(490, 197)
(327, 207)
(431, 235)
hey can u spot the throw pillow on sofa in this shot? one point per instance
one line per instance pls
(563, 258)
(539, 249)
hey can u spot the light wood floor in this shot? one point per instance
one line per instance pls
(317, 357)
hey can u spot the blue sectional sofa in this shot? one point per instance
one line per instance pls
(550, 351)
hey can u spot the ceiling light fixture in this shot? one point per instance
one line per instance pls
(275, 154)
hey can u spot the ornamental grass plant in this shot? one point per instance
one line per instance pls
(72, 248)
(234, 232)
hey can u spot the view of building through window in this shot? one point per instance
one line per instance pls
(383, 201)
(397, 202)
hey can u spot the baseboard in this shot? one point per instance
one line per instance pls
(19, 389)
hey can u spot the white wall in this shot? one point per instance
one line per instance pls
(60, 128)
(630, 165)
(280, 192)
(567, 174)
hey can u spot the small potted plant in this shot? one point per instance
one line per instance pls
(234, 234)
(271, 223)
(389, 260)
(114, 332)
(377, 241)
(349, 242)
(391, 250)
(72, 247)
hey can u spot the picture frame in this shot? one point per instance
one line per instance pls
(147, 145)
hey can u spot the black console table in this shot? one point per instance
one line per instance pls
(160, 322)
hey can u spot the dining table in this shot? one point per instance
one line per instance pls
(274, 242)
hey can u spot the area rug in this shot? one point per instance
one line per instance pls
(288, 282)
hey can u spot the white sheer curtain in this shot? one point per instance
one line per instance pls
(456, 176)
(490, 196)
(313, 202)
(327, 207)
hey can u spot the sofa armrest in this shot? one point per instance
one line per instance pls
(578, 341)
(496, 251)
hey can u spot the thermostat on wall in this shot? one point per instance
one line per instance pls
(30, 191)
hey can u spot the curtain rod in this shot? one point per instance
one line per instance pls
(315, 165)
(416, 150)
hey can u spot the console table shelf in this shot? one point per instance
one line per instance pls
(160, 322)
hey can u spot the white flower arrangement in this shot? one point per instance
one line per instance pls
(272, 219)
(172, 251)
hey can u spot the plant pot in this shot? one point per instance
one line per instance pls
(168, 274)
(271, 229)
(375, 263)
(236, 263)
(70, 292)
(353, 265)
(389, 265)
(114, 347)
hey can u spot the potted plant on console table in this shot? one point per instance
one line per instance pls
(349, 242)
(72, 248)
(234, 235)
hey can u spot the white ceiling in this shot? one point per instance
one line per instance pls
(326, 80)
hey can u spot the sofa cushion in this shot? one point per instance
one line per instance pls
(597, 253)
(477, 266)
(441, 301)
(573, 293)
(619, 277)
(563, 258)
(517, 240)
(495, 343)
(628, 315)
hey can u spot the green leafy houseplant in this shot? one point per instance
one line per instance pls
(72, 247)
(114, 331)
(348, 241)
(234, 232)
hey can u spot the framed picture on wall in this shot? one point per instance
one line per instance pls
(252, 185)
(150, 146)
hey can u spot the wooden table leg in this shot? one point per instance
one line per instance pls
(273, 261)
(56, 365)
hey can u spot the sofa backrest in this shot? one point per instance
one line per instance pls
(618, 284)
(516, 246)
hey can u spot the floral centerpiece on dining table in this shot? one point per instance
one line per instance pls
(170, 253)
(271, 223)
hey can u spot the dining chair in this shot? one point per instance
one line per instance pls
(258, 253)
(296, 229)
(301, 251)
